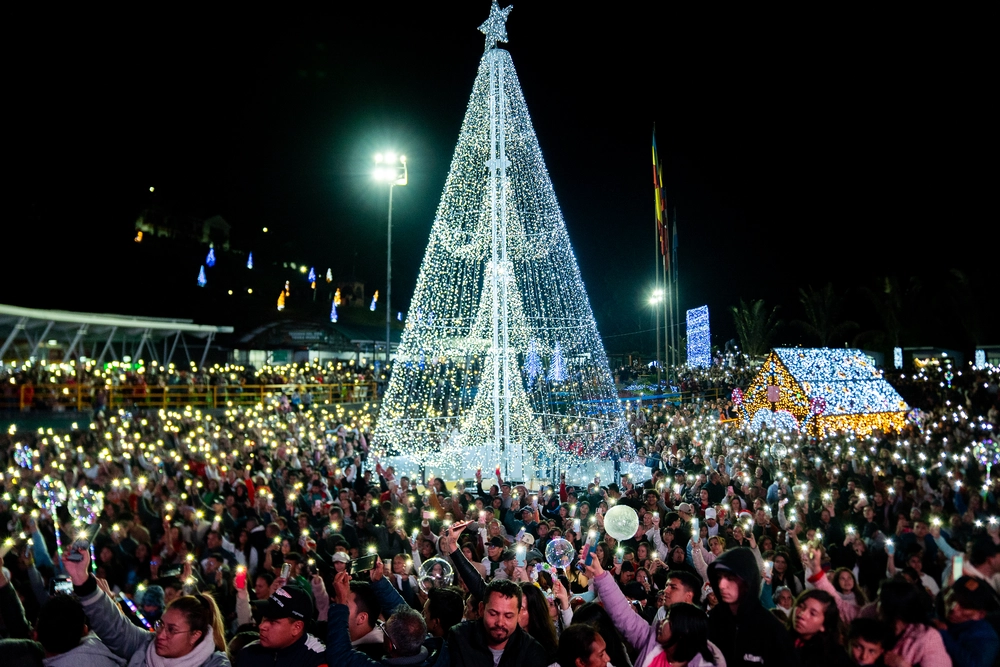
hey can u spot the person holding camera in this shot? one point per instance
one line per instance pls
(190, 634)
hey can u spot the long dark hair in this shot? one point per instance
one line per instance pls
(594, 614)
(830, 637)
(540, 625)
(899, 600)
(688, 633)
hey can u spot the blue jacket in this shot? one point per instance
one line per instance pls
(972, 644)
(340, 653)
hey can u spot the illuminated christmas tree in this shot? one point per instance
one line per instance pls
(499, 289)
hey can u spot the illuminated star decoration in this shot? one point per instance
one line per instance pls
(495, 26)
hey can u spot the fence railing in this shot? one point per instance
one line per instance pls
(63, 397)
(710, 394)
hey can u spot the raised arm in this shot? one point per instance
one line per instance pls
(105, 617)
(449, 547)
(633, 627)
(388, 597)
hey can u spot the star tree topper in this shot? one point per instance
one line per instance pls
(495, 26)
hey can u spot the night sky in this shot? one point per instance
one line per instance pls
(798, 149)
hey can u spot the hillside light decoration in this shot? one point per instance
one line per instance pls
(202, 280)
(250, 261)
(392, 170)
(500, 360)
(210, 259)
(820, 390)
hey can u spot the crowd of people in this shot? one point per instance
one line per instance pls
(276, 535)
(44, 386)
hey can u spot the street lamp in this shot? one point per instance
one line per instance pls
(392, 170)
(655, 300)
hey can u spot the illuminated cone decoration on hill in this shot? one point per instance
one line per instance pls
(499, 297)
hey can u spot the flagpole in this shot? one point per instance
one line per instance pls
(656, 287)
(676, 284)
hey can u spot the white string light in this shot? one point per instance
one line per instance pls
(478, 311)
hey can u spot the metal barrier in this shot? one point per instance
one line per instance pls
(64, 397)
(711, 394)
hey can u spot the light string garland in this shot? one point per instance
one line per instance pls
(498, 295)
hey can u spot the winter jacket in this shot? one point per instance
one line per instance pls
(636, 630)
(922, 645)
(973, 643)
(340, 653)
(307, 651)
(125, 640)
(467, 648)
(12, 612)
(816, 653)
(752, 637)
(90, 652)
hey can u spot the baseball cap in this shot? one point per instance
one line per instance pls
(287, 602)
(528, 538)
(340, 557)
(686, 508)
(495, 542)
(710, 513)
(973, 593)
(508, 554)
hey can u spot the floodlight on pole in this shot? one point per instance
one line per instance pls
(394, 174)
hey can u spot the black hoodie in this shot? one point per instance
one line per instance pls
(752, 637)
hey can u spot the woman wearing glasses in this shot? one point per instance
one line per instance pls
(190, 633)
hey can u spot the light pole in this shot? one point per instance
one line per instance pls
(392, 170)
(654, 301)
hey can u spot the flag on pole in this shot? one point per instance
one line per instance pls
(662, 223)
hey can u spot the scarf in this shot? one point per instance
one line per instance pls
(198, 656)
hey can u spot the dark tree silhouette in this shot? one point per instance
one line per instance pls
(755, 326)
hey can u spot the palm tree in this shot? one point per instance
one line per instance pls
(822, 308)
(892, 299)
(755, 326)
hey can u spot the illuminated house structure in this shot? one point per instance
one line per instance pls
(819, 390)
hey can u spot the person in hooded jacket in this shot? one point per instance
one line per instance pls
(739, 625)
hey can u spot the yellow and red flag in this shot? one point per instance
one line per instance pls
(662, 224)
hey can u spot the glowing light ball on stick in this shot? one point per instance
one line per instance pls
(85, 504)
(560, 553)
(621, 522)
(435, 573)
(23, 456)
(49, 493)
